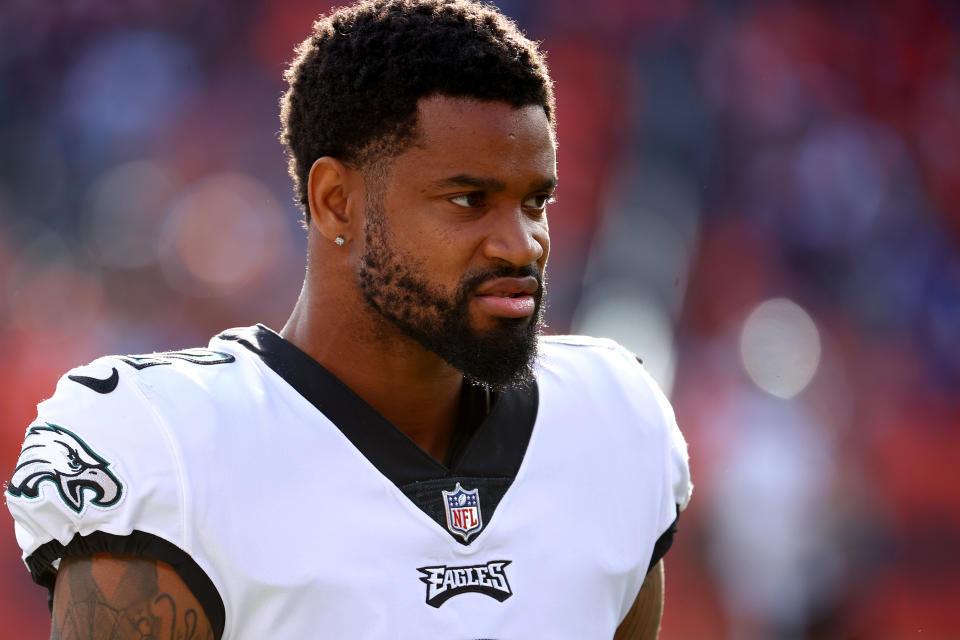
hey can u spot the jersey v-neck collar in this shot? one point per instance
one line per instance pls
(495, 450)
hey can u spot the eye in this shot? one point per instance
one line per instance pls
(539, 201)
(469, 200)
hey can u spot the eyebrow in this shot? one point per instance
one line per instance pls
(466, 180)
(544, 185)
(489, 184)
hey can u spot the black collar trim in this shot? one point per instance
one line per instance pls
(495, 450)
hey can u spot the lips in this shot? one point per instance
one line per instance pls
(508, 287)
(508, 297)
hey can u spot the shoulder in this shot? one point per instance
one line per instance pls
(102, 445)
(584, 346)
(128, 396)
(590, 342)
(603, 372)
(606, 374)
(123, 376)
(129, 399)
(101, 467)
(111, 387)
(586, 358)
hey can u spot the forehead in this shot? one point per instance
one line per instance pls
(483, 138)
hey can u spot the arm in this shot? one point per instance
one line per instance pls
(124, 597)
(643, 620)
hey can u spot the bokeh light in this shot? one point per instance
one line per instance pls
(224, 232)
(780, 347)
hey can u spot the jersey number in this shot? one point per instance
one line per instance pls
(196, 356)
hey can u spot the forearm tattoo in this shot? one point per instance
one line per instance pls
(124, 598)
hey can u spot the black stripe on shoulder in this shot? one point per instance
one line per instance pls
(140, 543)
(664, 542)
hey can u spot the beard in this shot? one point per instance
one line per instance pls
(401, 293)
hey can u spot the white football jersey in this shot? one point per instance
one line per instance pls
(293, 509)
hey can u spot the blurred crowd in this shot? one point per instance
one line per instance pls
(762, 199)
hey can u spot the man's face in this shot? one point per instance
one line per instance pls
(456, 236)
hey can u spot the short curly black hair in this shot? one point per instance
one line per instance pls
(356, 81)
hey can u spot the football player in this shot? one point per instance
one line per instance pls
(407, 457)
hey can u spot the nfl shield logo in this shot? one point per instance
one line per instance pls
(463, 511)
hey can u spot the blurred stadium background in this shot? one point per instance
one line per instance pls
(762, 199)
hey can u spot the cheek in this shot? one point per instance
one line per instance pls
(441, 258)
(454, 248)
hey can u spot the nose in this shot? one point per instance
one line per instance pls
(518, 238)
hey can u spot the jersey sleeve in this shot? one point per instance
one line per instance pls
(678, 459)
(677, 485)
(98, 472)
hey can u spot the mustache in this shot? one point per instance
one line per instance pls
(474, 280)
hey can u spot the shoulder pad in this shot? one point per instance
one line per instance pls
(581, 341)
(91, 459)
(588, 341)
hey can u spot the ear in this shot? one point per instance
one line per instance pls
(332, 194)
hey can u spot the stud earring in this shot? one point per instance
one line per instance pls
(339, 241)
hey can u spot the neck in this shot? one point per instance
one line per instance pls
(411, 387)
